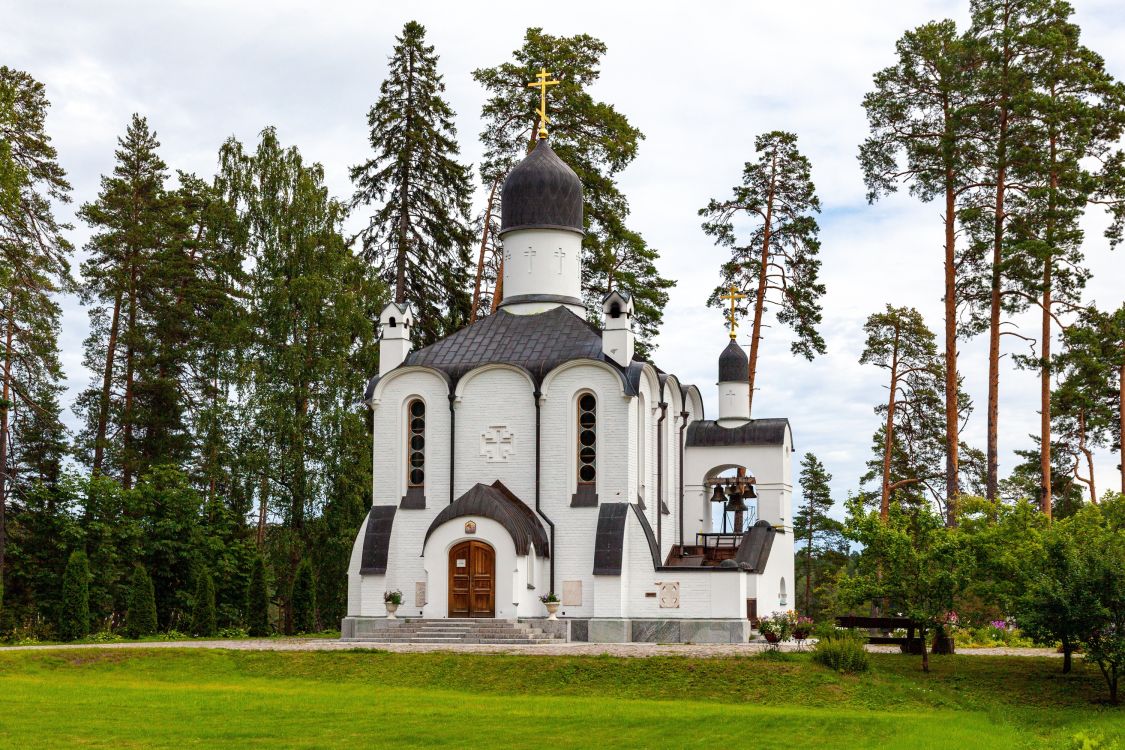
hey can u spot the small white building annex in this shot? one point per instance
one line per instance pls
(532, 452)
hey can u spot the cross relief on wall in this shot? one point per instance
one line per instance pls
(497, 443)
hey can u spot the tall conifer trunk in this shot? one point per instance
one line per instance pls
(1045, 500)
(951, 409)
(107, 383)
(1121, 419)
(5, 416)
(760, 294)
(130, 372)
(888, 437)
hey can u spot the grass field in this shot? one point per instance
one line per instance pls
(210, 698)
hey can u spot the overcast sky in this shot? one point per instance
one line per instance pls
(700, 80)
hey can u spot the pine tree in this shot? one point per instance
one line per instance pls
(1076, 113)
(304, 599)
(777, 263)
(418, 237)
(131, 221)
(922, 135)
(140, 618)
(203, 620)
(596, 141)
(821, 534)
(34, 268)
(258, 600)
(74, 615)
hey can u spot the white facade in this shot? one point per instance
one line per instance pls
(560, 463)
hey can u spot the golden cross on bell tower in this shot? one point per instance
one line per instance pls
(734, 296)
(542, 85)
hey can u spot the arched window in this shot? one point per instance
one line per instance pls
(587, 439)
(416, 444)
(585, 494)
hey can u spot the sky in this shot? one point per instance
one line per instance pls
(699, 79)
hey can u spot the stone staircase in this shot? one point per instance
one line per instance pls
(452, 631)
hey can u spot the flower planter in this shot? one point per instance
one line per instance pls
(552, 608)
(391, 609)
(773, 638)
(800, 635)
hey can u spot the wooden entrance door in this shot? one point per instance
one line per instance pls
(472, 580)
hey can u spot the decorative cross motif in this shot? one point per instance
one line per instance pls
(497, 443)
(561, 255)
(730, 392)
(530, 255)
(542, 85)
(733, 297)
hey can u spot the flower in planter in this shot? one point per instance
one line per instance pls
(549, 598)
(392, 597)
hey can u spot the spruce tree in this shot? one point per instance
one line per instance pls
(777, 263)
(418, 236)
(258, 600)
(74, 614)
(597, 142)
(303, 599)
(140, 618)
(820, 534)
(34, 268)
(203, 620)
(131, 221)
(922, 135)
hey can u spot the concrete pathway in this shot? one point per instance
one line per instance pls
(703, 650)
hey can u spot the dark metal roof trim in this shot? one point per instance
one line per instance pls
(609, 541)
(559, 227)
(497, 502)
(369, 391)
(649, 537)
(708, 433)
(562, 299)
(377, 540)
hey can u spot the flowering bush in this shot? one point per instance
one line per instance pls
(801, 626)
(776, 627)
(548, 598)
(392, 597)
(949, 620)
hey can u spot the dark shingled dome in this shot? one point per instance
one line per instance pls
(734, 366)
(542, 191)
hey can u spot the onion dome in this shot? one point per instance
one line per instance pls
(734, 365)
(542, 192)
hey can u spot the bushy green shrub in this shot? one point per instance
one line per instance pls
(203, 610)
(233, 633)
(258, 600)
(304, 599)
(74, 618)
(140, 617)
(842, 651)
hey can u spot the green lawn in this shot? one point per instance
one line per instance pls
(207, 698)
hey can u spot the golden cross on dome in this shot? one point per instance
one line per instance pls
(542, 85)
(734, 296)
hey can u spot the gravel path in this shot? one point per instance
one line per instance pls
(703, 650)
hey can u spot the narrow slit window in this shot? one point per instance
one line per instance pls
(587, 439)
(416, 444)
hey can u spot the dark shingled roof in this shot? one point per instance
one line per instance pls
(707, 432)
(754, 551)
(377, 540)
(538, 343)
(734, 366)
(542, 191)
(609, 539)
(497, 502)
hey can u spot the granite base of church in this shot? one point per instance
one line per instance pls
(670, 630)
(591, 630)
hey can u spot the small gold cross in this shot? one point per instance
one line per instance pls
(542, 85)
(734, 296)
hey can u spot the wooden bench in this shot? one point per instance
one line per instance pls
(910, 644)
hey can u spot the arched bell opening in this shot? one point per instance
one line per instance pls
(732, 505)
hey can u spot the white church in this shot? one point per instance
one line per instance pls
(534, 453)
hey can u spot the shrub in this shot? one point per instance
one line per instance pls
(258, 600)
(842, 651)
(74, 617)
(203, 610)
(140, 617)
(233, 633)
(105, 636)
(304, 599)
